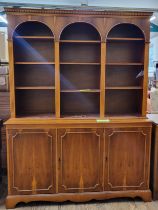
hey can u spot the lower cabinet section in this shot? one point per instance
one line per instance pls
(78, 164)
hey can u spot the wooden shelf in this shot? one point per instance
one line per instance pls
(78, 63)
(125, 64)
(33, 63)
(123, 88)
(35, 88)
(84, 116)
(124, 39)
(34, 37)
(81, 91)
(80, 41)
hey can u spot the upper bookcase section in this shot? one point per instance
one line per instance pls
(80, 52)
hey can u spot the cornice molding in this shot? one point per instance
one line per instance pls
(84, 11)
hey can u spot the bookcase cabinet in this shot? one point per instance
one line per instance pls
(78, 83)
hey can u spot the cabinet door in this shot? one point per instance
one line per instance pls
(31, 166)
(127, 158)
(80, 160)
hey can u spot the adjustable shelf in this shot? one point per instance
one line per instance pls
(80, 41)
(124, 64)
(78, 63)
(35, 88)
(124, 39)
(33, 63)
(34, 37)
(80, 91)
(123, 88)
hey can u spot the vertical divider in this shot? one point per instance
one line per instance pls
(57, 80)
(11, 79)
(102, 80)
(145, 81)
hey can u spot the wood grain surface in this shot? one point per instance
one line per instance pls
(113, 204)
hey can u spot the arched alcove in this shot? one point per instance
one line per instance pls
(80, 70)
(124, 70)
(80, 31)
(33, 46)
(126, 30)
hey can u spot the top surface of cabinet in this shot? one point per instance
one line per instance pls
(78, 64)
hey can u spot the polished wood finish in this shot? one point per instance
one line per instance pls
(127, 144)
(82, 38)
(39, 166)
(78, 105)
(79, 150)
(81, 160)
(11, 201)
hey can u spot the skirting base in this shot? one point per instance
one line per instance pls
(12, 200)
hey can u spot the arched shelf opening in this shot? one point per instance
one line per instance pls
(124, 70)
(32, 28)
(126, 30)
(80, 70)
(80, 31)
(34, 71)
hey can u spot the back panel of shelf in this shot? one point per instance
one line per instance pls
(79, 77)
(33, 50)
(35, 75)
(34, 102)
(128, 51)
(124, 76)
(80, 52)
(123, 102)
(80, 104)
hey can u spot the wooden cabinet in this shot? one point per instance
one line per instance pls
(32, 155)
(78, 92)
(127, 158)
(80, 160)
(78, 164)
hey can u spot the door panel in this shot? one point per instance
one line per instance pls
(80, 160)
(127, 158)
(32, 157)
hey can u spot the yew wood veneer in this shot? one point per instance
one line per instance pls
(78, 92)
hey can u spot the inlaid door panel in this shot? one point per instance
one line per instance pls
(127, 158)
(32, 157)
(80, 160)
